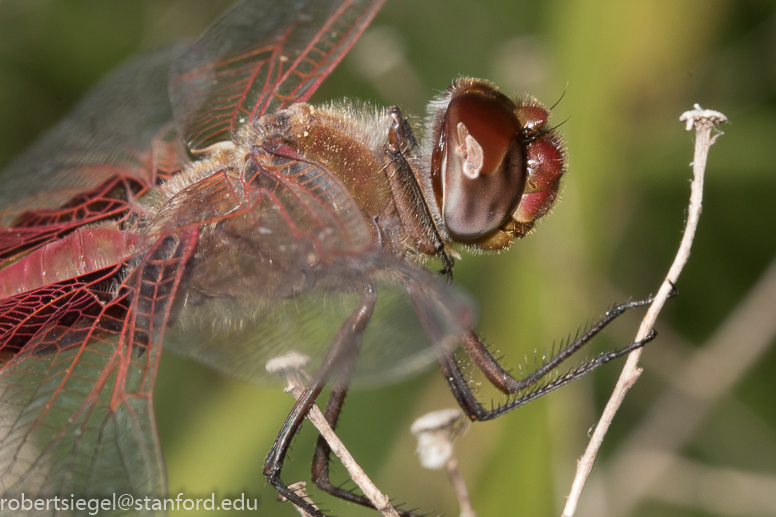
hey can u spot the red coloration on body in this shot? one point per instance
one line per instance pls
(77, 254)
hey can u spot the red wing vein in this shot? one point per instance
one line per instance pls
(77, 410)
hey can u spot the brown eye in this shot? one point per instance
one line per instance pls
(481, 162)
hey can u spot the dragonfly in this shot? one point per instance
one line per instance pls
(194, 201)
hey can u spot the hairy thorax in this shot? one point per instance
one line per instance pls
(294, 192)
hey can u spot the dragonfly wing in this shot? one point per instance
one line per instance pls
(76, 413)
(259, 57)
(91, 166)
(248, 333)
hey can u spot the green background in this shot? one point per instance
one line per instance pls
(628, 70)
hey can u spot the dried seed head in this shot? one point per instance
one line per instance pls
(435, 432)
(292, 361)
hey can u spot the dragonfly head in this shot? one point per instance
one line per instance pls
(495, 165)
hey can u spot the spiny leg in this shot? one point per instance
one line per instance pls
(504, 381)
(320, 466)
(408, 195)
(474, 410)
(344, 347)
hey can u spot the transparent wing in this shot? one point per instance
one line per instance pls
(245, 334)
(92, 165)
(76, 413)
(259, 57)
(281, 262)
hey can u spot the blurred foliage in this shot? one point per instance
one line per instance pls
(624, 72)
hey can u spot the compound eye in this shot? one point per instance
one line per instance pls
(483, 164)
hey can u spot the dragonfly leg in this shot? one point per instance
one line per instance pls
(510, 385)
(408, 193)
(320, 466)
(342, 350)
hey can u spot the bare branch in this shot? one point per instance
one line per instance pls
(736, 346)
(704, 122)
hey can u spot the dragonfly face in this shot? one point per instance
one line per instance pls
(195, 199)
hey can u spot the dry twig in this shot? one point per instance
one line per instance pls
(291, 366)
(704, 122)
(742, 339)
